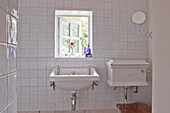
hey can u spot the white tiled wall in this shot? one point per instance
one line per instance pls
(3, 25)
(3, 59)
(3, 94)
(115, 36)
(8, 96)
(13, 107)
(12, 95)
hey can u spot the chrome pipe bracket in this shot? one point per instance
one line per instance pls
(52, 84)
(94, 84)
(136, 89)
(114, 88)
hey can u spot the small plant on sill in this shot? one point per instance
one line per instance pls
(72, 46)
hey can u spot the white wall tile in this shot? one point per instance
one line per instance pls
(4, 111)
(42, 90)
(25, 90)
(34, 90)
(75, 3)
(42, 98)
(3, 60)
(25, 28)
(43, 11)
(25, 3)
(34, 3)
(34, 73)
(42, 106)
(12, 94)
(51, 3)
(13, 107)
(34, 11)
(33, 82)
(24, 82)
(33, 107)
(25, 73)
(67, 4)
(42, 3)
(3, 94)
(60, 4)
(25, 106)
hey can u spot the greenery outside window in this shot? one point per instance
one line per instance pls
(73, 33)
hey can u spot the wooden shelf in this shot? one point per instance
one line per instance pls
(134, 108)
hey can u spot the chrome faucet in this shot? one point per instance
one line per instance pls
(58, 70)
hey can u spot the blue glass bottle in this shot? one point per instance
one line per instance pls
(88, 50)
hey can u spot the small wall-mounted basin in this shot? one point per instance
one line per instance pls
(74, 79)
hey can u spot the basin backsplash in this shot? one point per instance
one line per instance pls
(114, 36)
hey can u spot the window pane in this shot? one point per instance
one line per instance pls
(66, 28)
(65, 46)
(76, 49)
(75, 30)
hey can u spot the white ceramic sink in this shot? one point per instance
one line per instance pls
(74, 78)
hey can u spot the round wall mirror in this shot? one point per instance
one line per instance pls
(139, 17)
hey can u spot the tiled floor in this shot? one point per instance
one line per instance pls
(82, 111)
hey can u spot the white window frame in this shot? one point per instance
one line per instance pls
(72, 13)
(69, 37)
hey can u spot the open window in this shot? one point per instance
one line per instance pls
(73, 33)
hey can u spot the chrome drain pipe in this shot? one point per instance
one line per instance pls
(73, 101)
(126, 94)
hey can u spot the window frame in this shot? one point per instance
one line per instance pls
(72, 13)
(70, 37)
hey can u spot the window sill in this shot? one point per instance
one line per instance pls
(73, 57)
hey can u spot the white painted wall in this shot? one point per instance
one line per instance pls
(161, 56)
